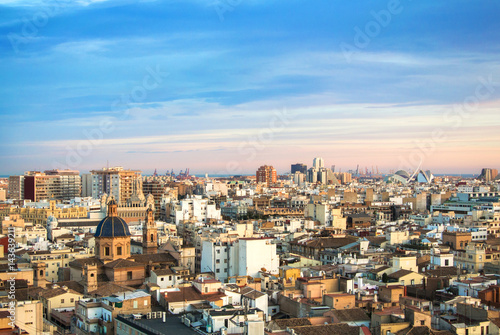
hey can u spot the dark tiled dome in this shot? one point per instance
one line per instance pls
(112, 226)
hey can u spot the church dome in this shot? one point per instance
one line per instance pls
(112, 225)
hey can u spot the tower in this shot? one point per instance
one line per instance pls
(39, 279)
(90, 274)
(149, 234)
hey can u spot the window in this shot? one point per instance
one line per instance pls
(106, 251)
(217, 270)
(446, 262)
(72, 300)
(62, 301)
(145, 302)
(119, 251)
(422, 322)
(162, 279)
(217, 261)
(129, 275)
(136, 305)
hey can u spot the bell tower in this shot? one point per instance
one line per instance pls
(149, 234)
(39, 273)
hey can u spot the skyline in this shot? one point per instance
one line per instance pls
(224, 89)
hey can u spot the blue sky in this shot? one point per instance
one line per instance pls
(226, 86)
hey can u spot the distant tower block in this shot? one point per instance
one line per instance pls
(39, 275)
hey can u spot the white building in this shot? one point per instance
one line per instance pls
(194, 208)
(165, 278)
(439, 260)
(244, 257)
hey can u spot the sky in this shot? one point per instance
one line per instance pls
(224, 86)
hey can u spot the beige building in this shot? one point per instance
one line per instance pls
(29, 316)
(58, 297)
(40, 215)
(404, 263)
(54, 259)
(472, 258)
(116, 182)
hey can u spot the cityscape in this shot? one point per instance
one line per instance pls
(242, 167)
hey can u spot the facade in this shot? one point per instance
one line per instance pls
(266, 174)
(299, 167)
(456, 240)
(51, 185)
(245, 257)
(40, 215)
(16, 187)
(194, 208)
(116, 182)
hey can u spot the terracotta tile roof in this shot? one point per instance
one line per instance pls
(331, 329)
(296, 322)
(73, 285)
(399, 274)
(352, 314)
(191, 294)
(51, 293)
(163, 272)
(107, 289)
(122, 263)
(155, 258)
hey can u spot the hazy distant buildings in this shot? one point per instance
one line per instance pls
(319, 174)
(318, 163)
(116, 181)
(86, 185)
(266, 174)
(488, 174)
(299, 167)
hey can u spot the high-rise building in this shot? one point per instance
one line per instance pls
(267, 174)
(51, 185)
(86, 185)
(16, 187)
(68, 183)
(299, 167)
(318, 163)
(116, 182)
(488, 174)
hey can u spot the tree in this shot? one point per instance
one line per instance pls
(385, 278)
